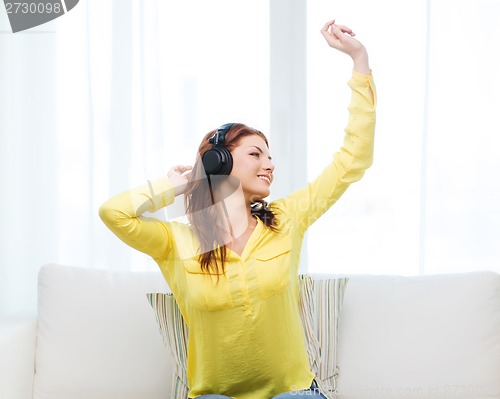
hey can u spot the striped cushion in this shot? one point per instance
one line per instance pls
(320, 301)
(175, 334)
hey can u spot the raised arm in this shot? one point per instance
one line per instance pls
(304, 206)
(122, 214)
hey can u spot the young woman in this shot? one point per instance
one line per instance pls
(233, 268)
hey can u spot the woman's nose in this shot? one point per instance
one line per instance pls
(269, 166)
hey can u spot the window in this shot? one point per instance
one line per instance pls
(427, 205)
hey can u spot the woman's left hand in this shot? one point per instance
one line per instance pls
(341, 38)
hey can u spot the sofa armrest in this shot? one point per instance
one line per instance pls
(17, 356)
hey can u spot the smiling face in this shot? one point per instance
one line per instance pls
(253, 167)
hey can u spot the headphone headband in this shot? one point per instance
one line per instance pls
(220, 135)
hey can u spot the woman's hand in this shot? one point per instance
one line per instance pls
(341, 38)
(179, 178)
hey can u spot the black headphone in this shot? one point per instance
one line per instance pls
(218, 159)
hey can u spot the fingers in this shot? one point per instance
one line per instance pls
(178, 170)
(338, 32)
(330, 28)
(182, 168)
(325, 27)
(345, 29)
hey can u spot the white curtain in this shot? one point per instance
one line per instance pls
(102, 99)
(429, 203)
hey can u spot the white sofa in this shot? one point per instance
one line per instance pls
(95, 337)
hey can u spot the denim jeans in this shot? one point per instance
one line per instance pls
(312, 392)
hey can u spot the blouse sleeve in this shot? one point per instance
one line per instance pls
(122, 214)
(306, 205)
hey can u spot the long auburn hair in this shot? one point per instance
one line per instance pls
(204, 217)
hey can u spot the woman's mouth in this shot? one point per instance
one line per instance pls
(266, 178)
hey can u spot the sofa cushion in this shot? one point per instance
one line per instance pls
(96, 337)
(435, 336)
(320, 302)
(175, 334)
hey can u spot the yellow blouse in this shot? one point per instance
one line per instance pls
(246, 338)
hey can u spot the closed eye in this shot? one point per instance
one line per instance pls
(255, 154)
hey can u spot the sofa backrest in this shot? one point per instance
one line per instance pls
(97, 336)
(420, 337)
(400, 337)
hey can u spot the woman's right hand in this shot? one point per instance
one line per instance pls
(179, 178)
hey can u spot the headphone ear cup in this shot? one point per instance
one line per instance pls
(217, 161)
(227, 161)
